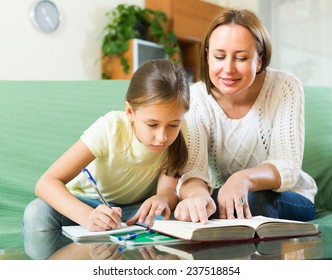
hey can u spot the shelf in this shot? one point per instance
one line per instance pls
(188, 19)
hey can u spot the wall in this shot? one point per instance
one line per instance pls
(70, 53)
(301, 42)
(299, 31)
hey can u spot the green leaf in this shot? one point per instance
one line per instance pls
(125, 65)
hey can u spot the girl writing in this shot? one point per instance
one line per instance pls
(125, 152)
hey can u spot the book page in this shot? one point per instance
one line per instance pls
(254, 222)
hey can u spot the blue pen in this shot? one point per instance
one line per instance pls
(133, 235)
(94, 184)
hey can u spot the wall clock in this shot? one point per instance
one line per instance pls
(45, 16)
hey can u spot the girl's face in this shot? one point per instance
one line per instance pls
(233, 59)
(156, 126)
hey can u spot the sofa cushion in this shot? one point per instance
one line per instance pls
(318, 144)
(39, 121)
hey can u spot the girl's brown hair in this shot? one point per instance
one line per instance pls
(245, 18)
(159, 81)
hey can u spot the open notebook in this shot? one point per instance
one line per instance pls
(80, 234)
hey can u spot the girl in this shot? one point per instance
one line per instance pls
(125, 152)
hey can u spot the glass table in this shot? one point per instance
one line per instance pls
(54, 245)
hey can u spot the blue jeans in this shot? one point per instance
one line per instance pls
(280, 205)
(42, 226)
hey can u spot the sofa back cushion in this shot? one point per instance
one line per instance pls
(318, 144)
(39, 121)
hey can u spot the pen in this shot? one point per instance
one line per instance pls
(94, 184)
(133, 235)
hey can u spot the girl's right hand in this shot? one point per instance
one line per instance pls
(104, 218)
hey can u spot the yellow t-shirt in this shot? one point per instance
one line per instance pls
(124, 169)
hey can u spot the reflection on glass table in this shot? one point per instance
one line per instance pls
(54, 245)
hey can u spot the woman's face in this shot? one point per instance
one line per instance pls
(233, 59)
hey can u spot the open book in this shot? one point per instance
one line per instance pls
(80, 234)
(235, 229)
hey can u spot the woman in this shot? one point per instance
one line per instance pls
(245, 130)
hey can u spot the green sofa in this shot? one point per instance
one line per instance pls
(41, 119)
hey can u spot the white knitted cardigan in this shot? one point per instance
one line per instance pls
(271, 132)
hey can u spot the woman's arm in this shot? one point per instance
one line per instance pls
(194, 187)
(51, 188)
(287, 137)
(283, 109)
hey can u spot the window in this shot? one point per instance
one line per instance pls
(300, 35)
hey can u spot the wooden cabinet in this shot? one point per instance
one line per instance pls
(189, 20)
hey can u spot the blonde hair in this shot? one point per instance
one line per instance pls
(245, 18)
(159, 81)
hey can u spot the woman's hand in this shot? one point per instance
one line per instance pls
(104, 218)
(197, 204)
(155, 205)
(233, 198)
(236, 189)
(195, 209)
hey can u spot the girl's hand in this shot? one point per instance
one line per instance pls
(155, 205)
(104, 218)
(195, 209)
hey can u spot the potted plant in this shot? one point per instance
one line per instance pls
(131, 21)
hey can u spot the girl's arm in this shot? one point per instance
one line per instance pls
(51, 188)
